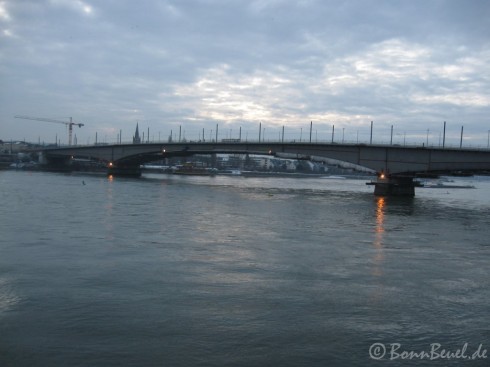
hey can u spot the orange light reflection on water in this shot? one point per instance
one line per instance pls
(379, 234)
(380, 216)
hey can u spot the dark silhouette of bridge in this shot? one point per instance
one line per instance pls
(396, 166)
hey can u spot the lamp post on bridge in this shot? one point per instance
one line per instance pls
(461, 139)
(311, 127)
(371, 138)
(444, 135)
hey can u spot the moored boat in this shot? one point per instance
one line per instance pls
(189, 168)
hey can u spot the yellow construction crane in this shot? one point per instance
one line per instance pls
(69, 124)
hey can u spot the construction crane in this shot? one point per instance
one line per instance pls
(69, 124)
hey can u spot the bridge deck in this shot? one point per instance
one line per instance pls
(389, 159)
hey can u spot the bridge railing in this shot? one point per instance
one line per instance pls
(407, 143)
(380, 136)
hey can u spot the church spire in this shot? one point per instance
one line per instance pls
(136, 137)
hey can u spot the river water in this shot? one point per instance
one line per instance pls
(234, 271)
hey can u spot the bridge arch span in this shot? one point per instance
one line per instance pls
(391, 162)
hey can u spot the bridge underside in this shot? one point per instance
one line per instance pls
(397, 165)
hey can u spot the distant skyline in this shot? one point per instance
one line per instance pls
(237, 64)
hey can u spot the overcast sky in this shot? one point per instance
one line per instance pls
(196, 63)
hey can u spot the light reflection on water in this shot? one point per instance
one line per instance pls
(234, 271)
(8, 298)
(378, 241)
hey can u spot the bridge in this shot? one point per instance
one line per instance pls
(396, 166)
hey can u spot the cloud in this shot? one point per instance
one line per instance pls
(75, 5)
(4, 14)
(367, 84)
(204, 62)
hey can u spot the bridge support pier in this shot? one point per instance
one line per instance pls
(123, 170)
(394, 186)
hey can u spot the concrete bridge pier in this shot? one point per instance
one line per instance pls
(123, 170)
(394, 186)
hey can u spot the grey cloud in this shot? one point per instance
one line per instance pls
(238, 62)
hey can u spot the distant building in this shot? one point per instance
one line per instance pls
(136, 137)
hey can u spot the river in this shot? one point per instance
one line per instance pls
(240, 271)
